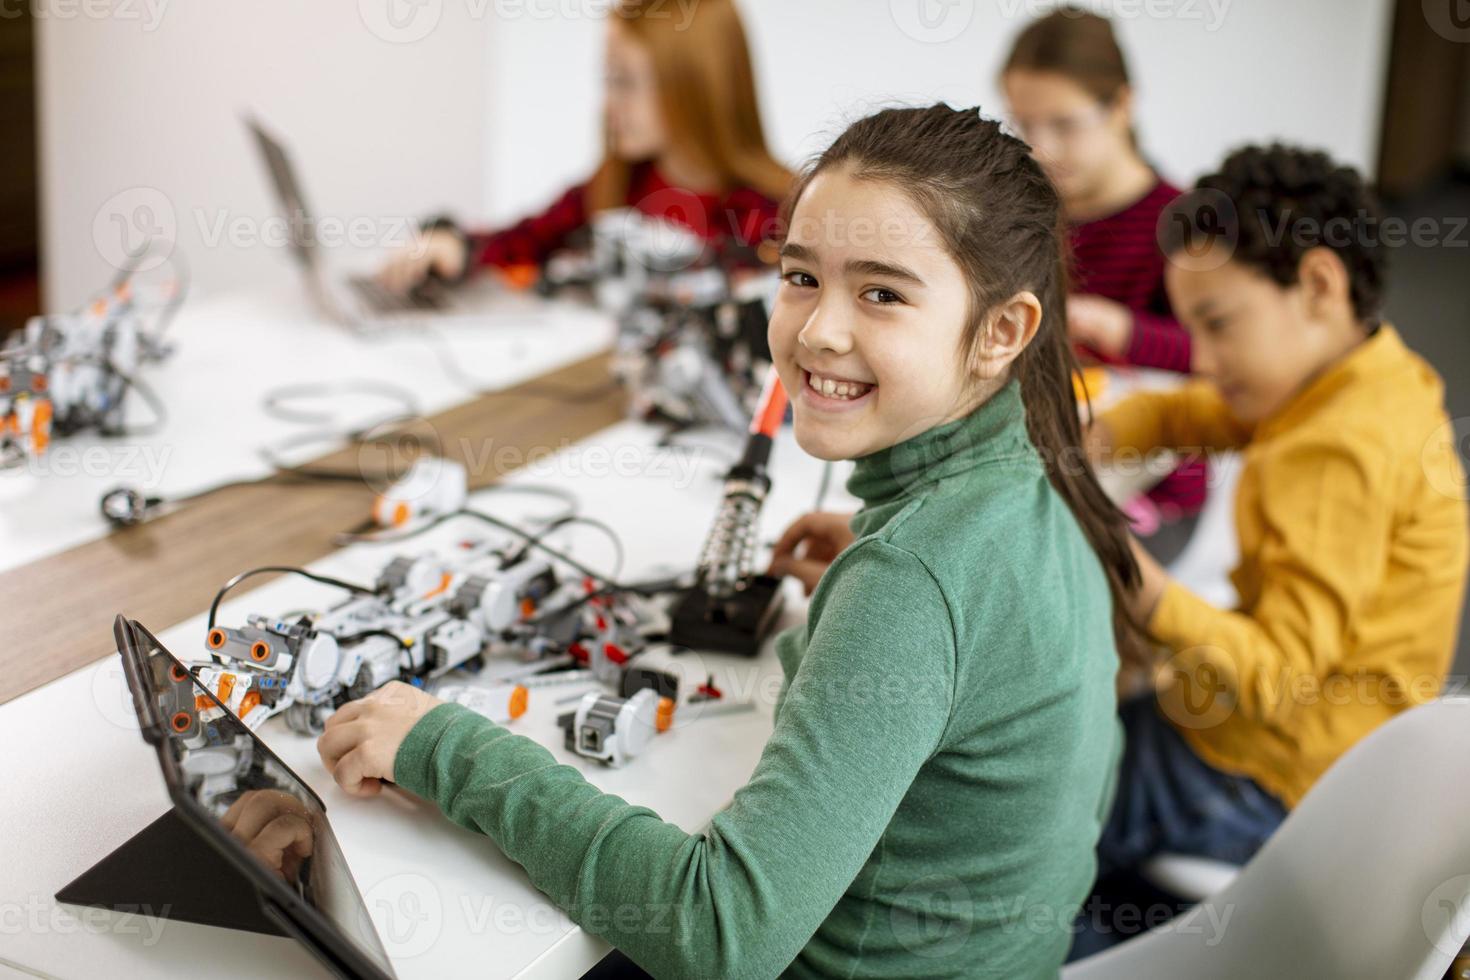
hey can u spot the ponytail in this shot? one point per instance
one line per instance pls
(1000, 219)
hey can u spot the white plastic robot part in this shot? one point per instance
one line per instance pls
(615, 730)
(502, 703)
(432, 486)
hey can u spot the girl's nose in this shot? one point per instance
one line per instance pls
(826, 330)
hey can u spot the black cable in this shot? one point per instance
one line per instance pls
(593, 522)
(355, 637)
(284, 570)
(155, 405)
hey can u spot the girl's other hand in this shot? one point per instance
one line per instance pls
(440, 251)
(809, 545)
(362, 738)
(1099, 323)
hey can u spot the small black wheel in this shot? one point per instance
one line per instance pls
(302, 718)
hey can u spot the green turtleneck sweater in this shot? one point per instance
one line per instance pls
(942, 758)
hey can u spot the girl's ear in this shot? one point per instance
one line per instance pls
(1008, 328)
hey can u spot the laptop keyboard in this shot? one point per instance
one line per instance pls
(381, 300)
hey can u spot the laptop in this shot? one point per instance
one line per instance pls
(360, 302)
(225, 783)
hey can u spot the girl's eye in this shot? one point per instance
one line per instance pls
(798, 278)
(881, 296)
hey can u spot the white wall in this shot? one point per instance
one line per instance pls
(1210, 75)
(140, 115)
(490, 107)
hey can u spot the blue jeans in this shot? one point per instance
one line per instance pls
(1169, 799)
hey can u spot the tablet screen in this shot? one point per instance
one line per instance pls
(230, 776)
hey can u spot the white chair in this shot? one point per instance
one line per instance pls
(1189, 877)
(1368, 877)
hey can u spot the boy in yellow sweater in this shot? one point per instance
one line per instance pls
(1350, 513)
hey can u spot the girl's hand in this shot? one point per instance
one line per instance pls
(1099, 323)
(275, 827)
(809, 545)
(362, 739)
(440, 251)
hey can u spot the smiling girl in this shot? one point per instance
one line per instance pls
(946, 740)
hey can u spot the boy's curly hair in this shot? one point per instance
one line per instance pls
(1286, 201)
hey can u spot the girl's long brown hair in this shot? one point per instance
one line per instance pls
(1000, 219)
(706, 90)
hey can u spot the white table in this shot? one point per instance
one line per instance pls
(76, 780)
(229, 351)
(445, 901)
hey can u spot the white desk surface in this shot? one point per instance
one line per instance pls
(229, 351)
(443, 898)
(78, 780)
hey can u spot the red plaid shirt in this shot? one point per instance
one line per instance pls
(742, 217)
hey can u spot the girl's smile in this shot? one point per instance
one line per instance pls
(833, 393)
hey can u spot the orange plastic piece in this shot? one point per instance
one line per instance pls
(249, 703)
(181, 721)
(528, 607)
(178, 674)
(259, 651)
(201, 703)
(772, 407)
(520, 276)
(226, 686)
(520, 699)
(664, 719)
(41, 426)
(215, 639)
(443, 585)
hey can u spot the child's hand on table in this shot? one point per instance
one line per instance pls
(808, 546)
(362, 739)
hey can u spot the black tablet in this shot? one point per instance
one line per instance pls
(247, 804)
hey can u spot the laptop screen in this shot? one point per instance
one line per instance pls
(226, 774)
